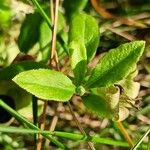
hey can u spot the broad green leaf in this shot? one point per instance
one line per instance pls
(78, 60)
(45, 39)
(83, 42)
(98, 105)
(74, 7)
(46, 84)
(77, 48)
(61, 22)
(116, 64)
(91, 36)
(11, 71)
(84, 29)
(29, 33)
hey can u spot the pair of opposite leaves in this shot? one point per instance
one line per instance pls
(115, 66)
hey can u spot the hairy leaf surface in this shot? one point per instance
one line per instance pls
(46, 84)
(84, 38)
(116, 64)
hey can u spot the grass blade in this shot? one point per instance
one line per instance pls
(70, 136)
(29, 124)
(35, 113)
(140, 140)
(42, 12)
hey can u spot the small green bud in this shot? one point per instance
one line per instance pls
(80, 90)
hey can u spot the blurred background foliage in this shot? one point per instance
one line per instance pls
(25, 36)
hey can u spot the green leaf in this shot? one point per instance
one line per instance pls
(116, 64)
(46, 84)
(75, 7)
(91, 36)
(9, 72)
(83, 39)
(78, 60)
(61, 22)
(98, 105)
(5, 14)
(77, 47)
(29, 33)
(44, 41)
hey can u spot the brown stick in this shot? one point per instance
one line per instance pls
(90, 144)
(105, 14)
(53, 62)
(123, 34)
(52, 11)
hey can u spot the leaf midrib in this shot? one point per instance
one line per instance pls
(47, 86)
(107, 71)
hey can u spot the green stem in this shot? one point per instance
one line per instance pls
(35, 114)
(29, 124)
(40, 9)
(70, 136)
(94, 139)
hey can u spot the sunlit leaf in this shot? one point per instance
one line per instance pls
(46, 84)
(83, 42)
(116, 64)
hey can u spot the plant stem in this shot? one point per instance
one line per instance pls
(125, 133)
(52, 11)
(53, 62)
(67, 135)
(90, 145)
(23, 120)
(35, 114)
(41, 11)
(54, 58)
(42, 126)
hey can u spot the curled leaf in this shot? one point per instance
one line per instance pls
(98, 105)
(122, 114)
(110, 94)
(130, 88)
